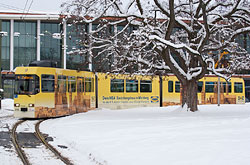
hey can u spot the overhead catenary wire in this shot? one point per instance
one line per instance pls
(28, 9)
(30, 6)
(10, 7)
(25, 6)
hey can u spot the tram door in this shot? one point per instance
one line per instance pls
(247, 90)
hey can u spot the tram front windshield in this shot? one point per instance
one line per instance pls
(26, 84)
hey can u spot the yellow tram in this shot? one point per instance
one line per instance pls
(42, 92)
(48, 92)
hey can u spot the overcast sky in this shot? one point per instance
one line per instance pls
(51, 6)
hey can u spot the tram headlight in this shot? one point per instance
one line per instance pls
(31, 105)
(16, 105)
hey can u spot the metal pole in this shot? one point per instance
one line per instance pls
(90, 46)
(0, 62)
(218, 76)
(11, 44)
(218, 81)
(64, 43)
(218, 91)
(38, 40)
(155, 16)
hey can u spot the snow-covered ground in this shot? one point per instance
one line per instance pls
(7, 107)
(154, 136)
(7, 155)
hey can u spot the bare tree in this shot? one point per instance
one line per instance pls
(182, 36)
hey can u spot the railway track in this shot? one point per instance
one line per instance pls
(18, 148)
(50, 147)
(39, 136)
(7, 116)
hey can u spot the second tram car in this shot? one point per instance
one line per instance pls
(124, 91)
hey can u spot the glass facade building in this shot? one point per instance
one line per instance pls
(51, 48)
(32, 38)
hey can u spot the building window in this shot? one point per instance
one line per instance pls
(5, 45)
(117, 85)
(238, 87)
(48, 83)
(50, 47)
(145, 86)
(120, 27)
(131, 85)
(24, 43)
(77, 39)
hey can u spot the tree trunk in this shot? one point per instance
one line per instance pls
(189, 95)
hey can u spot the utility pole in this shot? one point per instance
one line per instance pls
(218, 87)
(64, 45)
(219, 55)
(218, 66)
(90, 67)
(218, 83)
(1, 62)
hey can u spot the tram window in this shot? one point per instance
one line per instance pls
(170, 86)
(209, 87)
(146, 86)
(61, 83)
(200, 86)
(80, 84)
(117, 85)
(89, 84)
(71, 84)
(48, 83)
(26, 84)
(177, 86)
(131, 85)
(229, 87)
(238, 87)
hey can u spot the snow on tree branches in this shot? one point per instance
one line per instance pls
(183, 37)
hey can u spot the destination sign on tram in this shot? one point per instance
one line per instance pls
(25, 77)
